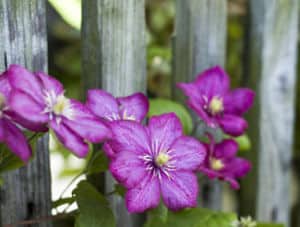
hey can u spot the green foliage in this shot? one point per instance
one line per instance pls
(194, 217)
(97, 163)
(120, 190)
(63, 201)
(269, 225)
(94, 209)
(243, 141)
(8, 160)
(160, 106)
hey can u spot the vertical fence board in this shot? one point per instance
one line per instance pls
(199, 43)
(114, 58)
(26, 192)
(272, 64)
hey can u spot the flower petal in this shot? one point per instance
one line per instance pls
(69, 139)
(128, 169)
(27, 108)
(188, 153)
(180, 190)
(227, 149)
(164, 129)
(50, 83)
(23, 80)
(86, 125)
(233, 125)
(238, 101)
(15, 140)
(109, 150)
(210, 121)
(190, 90)
(144, 196)
(238, 167)
(134, 107)
(103, 104)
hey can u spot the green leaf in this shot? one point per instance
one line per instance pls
(160, 106)
(8, 160)
(63, 201)
(120, 190)
(94, 209)
(269, 225)
(157, 216)
(243, 141)
(98, 163)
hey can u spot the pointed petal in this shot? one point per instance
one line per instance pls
(15, 140)
(144, 196)
(103, 104)
(128, 169)
(164, 129)
(25, 81)
(188, 153)
(197, 107)
(109, 149)
(27, 108)
(238, 101)
(233, 125)
(179, 191)
(50, 83)
(227, 149)
(190, 90)
(134, 107)
(238, 167)
(69, 139)
(86, 125)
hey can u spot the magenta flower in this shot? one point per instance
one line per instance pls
(10, 134)
(39, 98)
(217, 106)
(156, 160)
(134, 107)
(222, 163)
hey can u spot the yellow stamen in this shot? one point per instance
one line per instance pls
(216, 164)
(216, 105)
(162, 159)
(62, 103)
(128, 117)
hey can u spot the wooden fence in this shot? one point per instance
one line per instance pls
(114, 58)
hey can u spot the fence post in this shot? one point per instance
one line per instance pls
(26, 192)
(272, 65)
(114, 58)
(199, 43)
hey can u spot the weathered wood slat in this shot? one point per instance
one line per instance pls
(272, 64)
(199, 43)
(26, 192)
(114, 58)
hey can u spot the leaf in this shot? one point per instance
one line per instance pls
(269, 225)
(160, 106)
(243, 142)
(94, 209)
(8, 160)
(98, 163)
(157, 216)
(63, 201)
(120, 190)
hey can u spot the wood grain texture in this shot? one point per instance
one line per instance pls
(114, 58)
(26, 192)
(272, 65)
(199, 43)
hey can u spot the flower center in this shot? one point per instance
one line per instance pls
(61, 105)
(216, 105)
(128, 117)
(161, 159)
(216, 164)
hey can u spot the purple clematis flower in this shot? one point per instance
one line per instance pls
(105, 106)
(210, 97)
(222, 163)
(156, 160)
(10, 134)
(39, 98)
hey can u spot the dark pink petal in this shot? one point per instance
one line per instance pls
(133, 107)
(103, 104)
(164, 129)
(190, 90)
(238, 101)
(86, 125)
(213, 82)
(233, 183)
(108, 149)
(130, 135)
(144, 196)
(198, 108)
(227, 149)
(211, 174)
(233, 125)
(180, 190)
(238, 167)
(188, 153)
(69, 139)
(50, 83)
(23, 80)
(15, 140)
(27, 108)
(5, 87)
(128, 169)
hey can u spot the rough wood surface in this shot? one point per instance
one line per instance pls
(26, 192)
(272, 64)
(114, 58)
(199, 43)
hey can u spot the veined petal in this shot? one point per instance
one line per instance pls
(144, 196)
(128, 169)
(69, 139)
(164, 129)
(198, 108)
(180, 190)
(238, 101)
(108, 149)
(50, 83)
(15, 140)
(238, 167)
(188, 153)
(103, 104)
(134, 107)
(227, 149)
(233, 125)
(190, 90)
